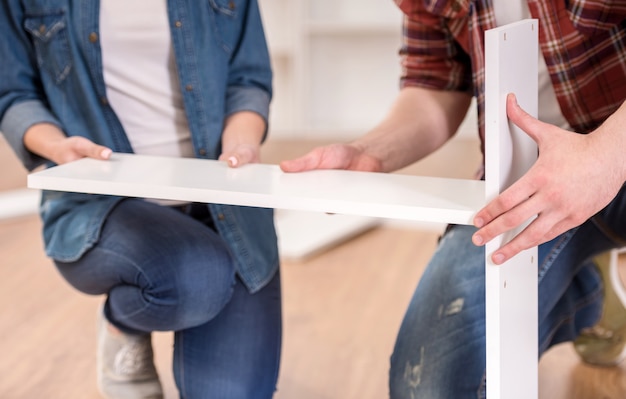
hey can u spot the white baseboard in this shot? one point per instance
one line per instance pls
(20, 202)
(304, 234)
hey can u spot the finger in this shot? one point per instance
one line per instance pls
(230, 159)
(88, 148)
(507, 221)
(516, 194)
(522, 119)
(240, 155)
(105, 152)
(533, 235)
(309, 161)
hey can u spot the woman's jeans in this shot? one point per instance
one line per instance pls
(440, 348)
(166, 269)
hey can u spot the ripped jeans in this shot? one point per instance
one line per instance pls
(440, 348)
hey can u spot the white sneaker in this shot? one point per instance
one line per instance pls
(125, 365)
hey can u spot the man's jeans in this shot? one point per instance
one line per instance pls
(166, 269)
(440, 349)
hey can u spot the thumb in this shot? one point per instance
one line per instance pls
(306, 162)
(293, 165)
(241, 155)
(87, 148)
(103, 152)
(522, 119)
(97, 151)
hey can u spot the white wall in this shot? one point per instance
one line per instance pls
(336, 66)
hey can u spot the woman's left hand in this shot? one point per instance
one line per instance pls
(241, 138)
(240, 154)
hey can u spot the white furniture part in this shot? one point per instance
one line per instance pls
(381, 195)
(511, 289)
(511, 59)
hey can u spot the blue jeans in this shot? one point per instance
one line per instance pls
(165, 269)
(440, 348)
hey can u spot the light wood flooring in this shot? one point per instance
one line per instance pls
(341, 312)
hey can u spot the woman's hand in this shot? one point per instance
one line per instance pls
(241, 138)
(237, 154)
(574, 177)
(50, 142)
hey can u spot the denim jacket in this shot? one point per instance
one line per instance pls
(51, 71)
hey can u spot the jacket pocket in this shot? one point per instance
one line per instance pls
(226, 20)
(51, 43)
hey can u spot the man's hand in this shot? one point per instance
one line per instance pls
(334, 156)
(575, 176)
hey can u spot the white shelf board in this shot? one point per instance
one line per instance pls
(393, 196)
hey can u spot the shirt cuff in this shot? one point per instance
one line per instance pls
(240, 98)
(17, 120)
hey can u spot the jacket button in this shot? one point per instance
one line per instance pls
(220, 216)
(178, 24)
(42, 29)
(93, 37)
(189, 87)
(202, 151)
(231, 4)
(104, 101)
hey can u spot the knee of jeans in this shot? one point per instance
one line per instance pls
(203, 302)
(196, 295)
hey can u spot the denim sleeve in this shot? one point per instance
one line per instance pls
(16, 120)
(250, 74)
(22, 103)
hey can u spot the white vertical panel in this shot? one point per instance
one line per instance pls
(511, 289)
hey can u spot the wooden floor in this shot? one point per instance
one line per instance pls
(341, 312)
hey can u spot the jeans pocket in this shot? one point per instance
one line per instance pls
(226, 21)
(51, 43)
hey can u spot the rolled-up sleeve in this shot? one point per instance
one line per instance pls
(250, 74)
(430, 56)
(22, 103)
(16, 120)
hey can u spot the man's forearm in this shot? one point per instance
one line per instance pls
(419, 122)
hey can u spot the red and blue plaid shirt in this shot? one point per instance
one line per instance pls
(583, 43)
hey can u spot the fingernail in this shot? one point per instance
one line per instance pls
(232, 161)
(498, 258)
(478, 240)
(106, 153)
(478, 222)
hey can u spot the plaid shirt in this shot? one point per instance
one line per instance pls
(583, 43)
